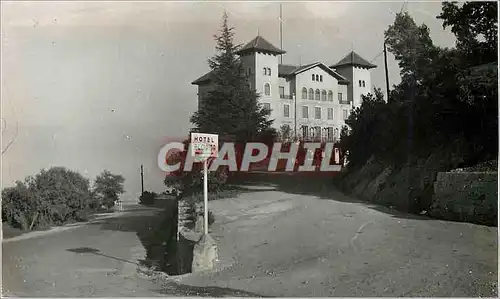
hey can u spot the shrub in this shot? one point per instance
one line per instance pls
(67, 192)
(147, 198)
(53, 196)
(187, 183)
(17, 206)
(82, 216)
(195, 202)
(108, 187)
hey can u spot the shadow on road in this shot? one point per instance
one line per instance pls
(211, 291)
(97, 252)
(156, 228)
(320, 186)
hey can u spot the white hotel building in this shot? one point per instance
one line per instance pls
(313, 99)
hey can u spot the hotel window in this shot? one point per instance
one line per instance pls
(359, 83)
(320, 78)
(304, 93)
(305, 132)
(282, 91)
(317, 78)
(317, 132)
(249, 71)
(313, 77)
(268, 71)
(330, 96)
(340, 97)
(265, 71)
(363, 83)
(311, 94)
(330, 113)
(317, 95)
(323, 95)
(346, 114)
(329, 133)
(267, 89)
(337, 135)
(267, 106)
(286, 110)
(305, 112)
(317, 112)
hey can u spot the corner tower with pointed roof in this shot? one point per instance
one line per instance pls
(260, 60)
(357, 70)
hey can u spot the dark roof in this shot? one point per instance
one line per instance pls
(305, 67)
(353, 59)
(260, 44)
(285, 70)
(290, 70)
(203, 79)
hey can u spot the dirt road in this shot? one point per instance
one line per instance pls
(95, 259)
(288, 239)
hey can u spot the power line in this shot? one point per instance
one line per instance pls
(376, 57)
(12, 140)
(5, 127)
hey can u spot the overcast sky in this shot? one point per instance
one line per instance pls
(100, 85)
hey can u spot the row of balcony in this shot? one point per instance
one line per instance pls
(289, 97)
(311, 139)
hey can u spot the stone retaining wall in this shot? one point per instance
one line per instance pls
(424, 188)
(466, 196)
(190, 226)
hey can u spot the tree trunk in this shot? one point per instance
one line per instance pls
(34, 219)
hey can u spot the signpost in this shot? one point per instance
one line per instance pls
(203, 147)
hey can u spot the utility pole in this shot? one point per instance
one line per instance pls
(295, 115)
(281, 32)
(142, 180)
(386, 72)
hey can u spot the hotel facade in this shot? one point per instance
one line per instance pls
(309, 101)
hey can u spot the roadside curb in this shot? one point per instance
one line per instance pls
(56, 229)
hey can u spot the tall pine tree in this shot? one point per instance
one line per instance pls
(231, 106)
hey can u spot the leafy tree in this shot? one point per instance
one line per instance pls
(231, 106)
(476, 82)
(17, 206)
(107, 188)
(61, 192)
(440, 88)
(53, 196)
(412, 47)
(366, 128)
(475, 25)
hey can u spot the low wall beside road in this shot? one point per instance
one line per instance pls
(466, 196)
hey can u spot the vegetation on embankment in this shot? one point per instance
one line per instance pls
(57, 196)
(442, 116)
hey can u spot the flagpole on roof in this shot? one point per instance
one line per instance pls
(352, 51)
(281, 32)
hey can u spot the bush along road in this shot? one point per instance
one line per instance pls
(55, 197)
